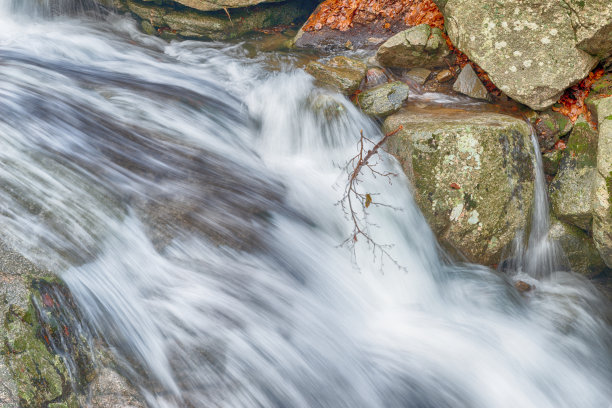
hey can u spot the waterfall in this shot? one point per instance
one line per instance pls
(186, 193)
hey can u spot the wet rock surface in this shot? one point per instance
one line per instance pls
(339, 73)
(47, 355)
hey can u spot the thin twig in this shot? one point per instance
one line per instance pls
(353, 197)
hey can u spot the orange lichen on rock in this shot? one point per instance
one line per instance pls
(571, 103)
(342, 14)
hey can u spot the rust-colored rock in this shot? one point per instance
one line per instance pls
(522, 286)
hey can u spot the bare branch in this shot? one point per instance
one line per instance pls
(353, 200)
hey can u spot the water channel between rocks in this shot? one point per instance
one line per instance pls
(187, 194)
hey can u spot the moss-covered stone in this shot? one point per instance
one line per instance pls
(472, 174)
(339, 73)
(39, 340)
(40, 376)
(550, 161)
(384, 99)
(571, 189)
(550, 127)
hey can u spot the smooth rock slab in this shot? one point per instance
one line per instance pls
(472, 174)
(384, 99)
(528, 47)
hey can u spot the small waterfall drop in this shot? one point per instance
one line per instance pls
(185, 193)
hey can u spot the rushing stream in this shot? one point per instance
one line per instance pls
(187, 192)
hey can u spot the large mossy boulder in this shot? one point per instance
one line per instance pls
(578, 247)
(472, 174)
(191, 23)
(602, 191)
(420, 46)
(532, 49)
(572, 188)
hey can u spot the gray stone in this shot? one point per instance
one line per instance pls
(339, 73)
(384, 99)
(472, 175)
(571, 189)
(469, 84)
(418, 75)
(110, 390)
(602, 192)
(420, 46)
(528, 47)
(578, 247)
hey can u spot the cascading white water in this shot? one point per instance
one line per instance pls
(186, 194)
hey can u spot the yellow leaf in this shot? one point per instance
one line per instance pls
(368, 200)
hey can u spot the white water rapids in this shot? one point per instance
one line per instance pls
(187, 195)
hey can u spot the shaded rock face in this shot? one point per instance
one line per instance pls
(551, 126)
(191, 23)
(571, 189)
(528, 47)
(602, 191)
(472, 174)
(383, 100)
(420, 46)
(469, 84)
(578, 247)
(339, 73)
